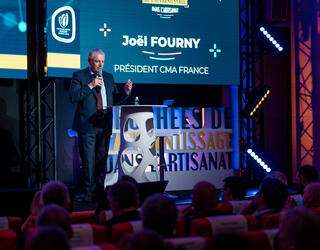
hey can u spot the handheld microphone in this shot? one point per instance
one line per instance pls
(99, 74)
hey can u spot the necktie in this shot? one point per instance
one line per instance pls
(99, 101)
(99, 98)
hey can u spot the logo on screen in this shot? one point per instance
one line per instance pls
(168, 11)
(64, 20)
(167, 2)
(63, 28)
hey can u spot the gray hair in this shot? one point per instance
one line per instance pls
(93, 52)
(55, 192)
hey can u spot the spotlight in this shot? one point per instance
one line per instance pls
(271, 38)
(22, 26)
(252, 107)
(258, 160)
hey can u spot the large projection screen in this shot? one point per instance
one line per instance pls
(148, 41)
(13, 39)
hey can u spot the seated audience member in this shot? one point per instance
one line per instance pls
(55, 192)
(234, 188)
(104, 203)
(283, 178)
(299, 229)
(306, 175)
(54, 215)
(124, 201)
(49, 238)
(204, 201)
(159, 213)
(311, 195)
(35, 208)
(144, 240)
(271, 198)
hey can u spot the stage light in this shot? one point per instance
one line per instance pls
(258, 160)
(254, 104)
(22, 26)
(271, 38)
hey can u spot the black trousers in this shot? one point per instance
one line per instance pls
(94, 147)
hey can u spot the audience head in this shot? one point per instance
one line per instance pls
(299, 229)
(307, 174)
(273, 194)
(122, 196)
(311, 195)
(204, 197)
(49, 238)
(279, 176)
(129, 179)
(55, 192)
(159, 213)
(234, 188)
(56, 216)
(144, 240)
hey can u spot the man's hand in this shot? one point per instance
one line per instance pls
(128, 87)
(98, 81)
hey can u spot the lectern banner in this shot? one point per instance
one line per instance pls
(197, 146)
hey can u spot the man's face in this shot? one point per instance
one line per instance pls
(96, 63)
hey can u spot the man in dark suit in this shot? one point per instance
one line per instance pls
(94, 90)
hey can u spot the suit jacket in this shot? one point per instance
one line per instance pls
(86, 119)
